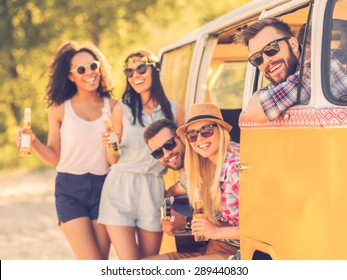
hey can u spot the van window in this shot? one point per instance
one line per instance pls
(227, 83)
(297, 21)
(175, 70)
(226, 78)
(336, 68)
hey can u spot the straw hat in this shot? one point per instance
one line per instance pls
(208, 112)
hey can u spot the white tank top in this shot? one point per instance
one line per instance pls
(81, 149)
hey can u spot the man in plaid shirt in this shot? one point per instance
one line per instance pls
(276, 52)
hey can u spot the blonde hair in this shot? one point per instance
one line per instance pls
(203, 176)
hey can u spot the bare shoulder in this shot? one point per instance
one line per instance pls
(117, 108)
(117, 118)
(113, 102)
(117, 112)
(56, 111)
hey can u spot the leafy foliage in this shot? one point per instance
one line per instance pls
(32, 30)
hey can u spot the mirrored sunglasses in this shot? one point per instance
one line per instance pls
(93, 65)
(168, 145)
(270, 49)
(141, 69)
(205, 131)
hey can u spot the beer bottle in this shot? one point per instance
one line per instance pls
(199, 212)
(112, 149)
(26, 136)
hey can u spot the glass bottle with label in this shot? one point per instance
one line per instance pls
(199, 212)
(112, 149)
(26, 136)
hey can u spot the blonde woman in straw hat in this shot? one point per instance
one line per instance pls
(210, 163)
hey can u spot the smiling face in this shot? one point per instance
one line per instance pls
(205, 147)
(173, 159)
(276, 68)
(90, 79)
(140, 82)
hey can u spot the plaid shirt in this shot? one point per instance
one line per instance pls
(229, 179)
(275, 99)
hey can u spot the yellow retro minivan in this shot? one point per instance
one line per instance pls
(293, 171)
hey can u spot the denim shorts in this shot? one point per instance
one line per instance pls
(78, 195)
(132, 199)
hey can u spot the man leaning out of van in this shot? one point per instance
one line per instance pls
(276, 52)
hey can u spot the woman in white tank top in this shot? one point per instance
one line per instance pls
(79, 86)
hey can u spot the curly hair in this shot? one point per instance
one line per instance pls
(60, 88)
(132, 99)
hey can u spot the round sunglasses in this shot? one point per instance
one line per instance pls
(141, 69)
(270, 49)
(168, 145)
(93, 65)
(205, 131)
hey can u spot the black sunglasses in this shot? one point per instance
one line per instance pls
(205, 131)
(270, 49)
(93, 65)
(168, 145)
(141, 69)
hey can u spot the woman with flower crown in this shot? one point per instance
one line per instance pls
(134, 188)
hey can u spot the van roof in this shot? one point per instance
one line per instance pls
(246, 11)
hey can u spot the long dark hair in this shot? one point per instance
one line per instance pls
(132, 99)
(59, 87)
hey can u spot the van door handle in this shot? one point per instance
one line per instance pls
(241, 167)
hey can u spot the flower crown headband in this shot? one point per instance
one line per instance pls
(144, 59)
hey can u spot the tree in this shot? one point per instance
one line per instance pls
(32, 30)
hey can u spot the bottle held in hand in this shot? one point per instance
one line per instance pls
(25, 145)
(112, 149)
(199, 212)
